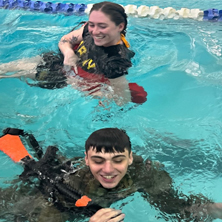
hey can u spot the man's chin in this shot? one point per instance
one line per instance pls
(108, 185)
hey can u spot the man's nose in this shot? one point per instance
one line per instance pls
(108, 167)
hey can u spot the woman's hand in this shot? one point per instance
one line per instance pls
(71, 59)
(107, 215)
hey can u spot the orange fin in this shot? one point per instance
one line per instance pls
(12, 146)
(83, 201)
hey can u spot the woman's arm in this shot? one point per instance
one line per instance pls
(121, 92)
(66, 45)
(215, 210)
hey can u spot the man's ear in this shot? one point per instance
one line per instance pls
(86, 159)
(131, 158)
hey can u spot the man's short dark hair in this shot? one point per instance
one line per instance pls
(109, 139)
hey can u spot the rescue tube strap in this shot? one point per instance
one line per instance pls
(126, 43)
(13, 131)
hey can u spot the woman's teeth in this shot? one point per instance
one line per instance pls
(99, 37)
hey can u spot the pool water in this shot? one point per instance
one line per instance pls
(178, 62)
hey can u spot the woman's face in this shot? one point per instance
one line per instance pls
(104, 31)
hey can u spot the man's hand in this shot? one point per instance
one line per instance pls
(107, 215)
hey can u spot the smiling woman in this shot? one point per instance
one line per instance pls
(101, 48)
(94, 59)
(106, 32)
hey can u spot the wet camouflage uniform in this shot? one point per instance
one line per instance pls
(144, 176)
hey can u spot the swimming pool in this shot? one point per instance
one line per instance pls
(178, 62)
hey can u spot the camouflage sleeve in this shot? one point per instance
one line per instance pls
(52, 214)
(168, 200)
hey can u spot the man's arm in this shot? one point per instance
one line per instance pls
(20, 201)
(179, 206)
(52, 214)
(163, 196)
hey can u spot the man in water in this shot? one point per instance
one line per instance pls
(114, 172)
(110, 172)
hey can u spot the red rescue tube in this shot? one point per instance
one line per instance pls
(138, 94)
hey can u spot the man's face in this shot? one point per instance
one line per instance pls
(108, 168)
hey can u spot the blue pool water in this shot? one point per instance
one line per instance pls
(179, 64)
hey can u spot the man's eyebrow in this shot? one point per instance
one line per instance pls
(97, 157)
(116, 156)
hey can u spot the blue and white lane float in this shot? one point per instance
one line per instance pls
(153, 12)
